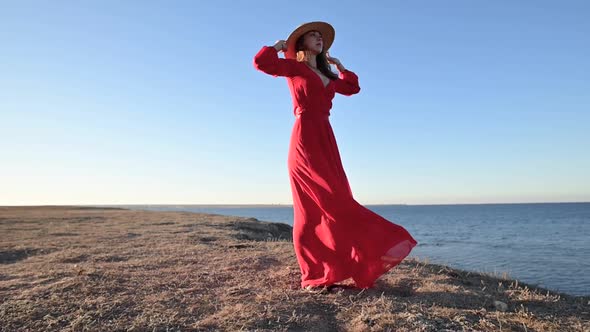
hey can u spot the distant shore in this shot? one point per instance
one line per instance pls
(74, 268)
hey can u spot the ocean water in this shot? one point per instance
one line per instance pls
(543, 244)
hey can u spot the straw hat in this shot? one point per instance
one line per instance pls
(324, 28)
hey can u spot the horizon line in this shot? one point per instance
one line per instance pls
(287, 204)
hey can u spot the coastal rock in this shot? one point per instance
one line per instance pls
(500, 306)
(253, 229)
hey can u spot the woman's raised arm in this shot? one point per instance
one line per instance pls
(268, 61)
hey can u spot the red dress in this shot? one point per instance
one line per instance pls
(335, 237)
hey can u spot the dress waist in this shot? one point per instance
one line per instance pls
(305, 112)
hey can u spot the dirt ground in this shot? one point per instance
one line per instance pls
(97, 269)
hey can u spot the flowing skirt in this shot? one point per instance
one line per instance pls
(335, 238)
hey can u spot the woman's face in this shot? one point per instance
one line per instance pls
(312, 41)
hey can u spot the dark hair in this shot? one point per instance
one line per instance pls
(321, 60)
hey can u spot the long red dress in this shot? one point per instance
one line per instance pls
(335, 237)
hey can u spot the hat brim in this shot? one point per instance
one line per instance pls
(327, 31)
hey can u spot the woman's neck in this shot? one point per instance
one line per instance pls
(312, 61)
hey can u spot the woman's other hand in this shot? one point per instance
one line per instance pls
(280, 45)
(331, 60)
(334, 61)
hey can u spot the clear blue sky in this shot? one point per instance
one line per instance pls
(117, 102)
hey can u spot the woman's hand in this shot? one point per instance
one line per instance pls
(334, 61)
(331, 60)
(280, 45)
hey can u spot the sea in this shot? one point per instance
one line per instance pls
(544, 244)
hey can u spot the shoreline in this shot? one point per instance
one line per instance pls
(75, 267)
(490, 261)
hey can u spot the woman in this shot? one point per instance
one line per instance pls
(335, 238)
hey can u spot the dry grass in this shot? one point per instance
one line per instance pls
(76, 269)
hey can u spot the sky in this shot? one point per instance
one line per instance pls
(158, 102)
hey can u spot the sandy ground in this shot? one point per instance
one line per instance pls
(95, 269)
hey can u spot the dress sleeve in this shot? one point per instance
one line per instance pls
(347, 83)
(267, 60)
